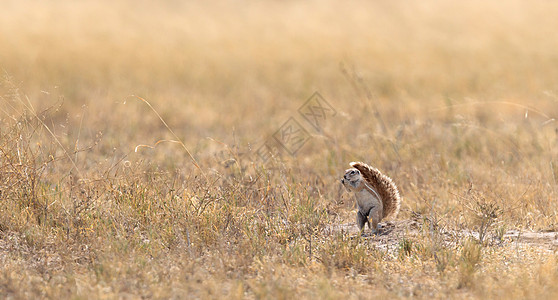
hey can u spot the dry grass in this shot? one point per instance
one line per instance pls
(454, 100)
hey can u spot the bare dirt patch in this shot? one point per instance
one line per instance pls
(393, 232)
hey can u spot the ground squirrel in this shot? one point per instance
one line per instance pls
(376, 194)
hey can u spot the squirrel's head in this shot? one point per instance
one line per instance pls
(352, 179)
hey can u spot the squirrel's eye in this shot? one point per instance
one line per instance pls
(352, 172)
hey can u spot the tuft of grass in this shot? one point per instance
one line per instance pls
(348, 253)
(405, 247)
(469, 262)
(485, 214)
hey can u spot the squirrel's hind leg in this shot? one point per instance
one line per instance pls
(361, 221)
(375, 217)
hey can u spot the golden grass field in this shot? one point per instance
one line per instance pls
(455, 100)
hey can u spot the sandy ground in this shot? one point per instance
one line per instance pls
(392, 232)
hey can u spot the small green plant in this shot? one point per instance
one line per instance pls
(405, 247)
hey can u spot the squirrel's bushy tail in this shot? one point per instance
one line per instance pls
(383, 185)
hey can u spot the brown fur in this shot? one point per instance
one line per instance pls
(383, 185)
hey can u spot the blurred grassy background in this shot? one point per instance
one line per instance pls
(444, 96)
(215, 66)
